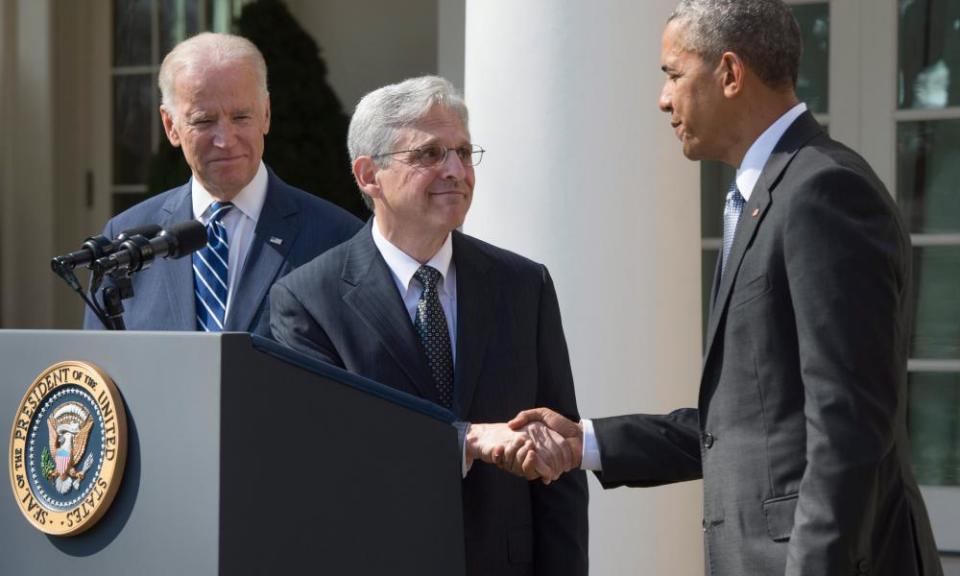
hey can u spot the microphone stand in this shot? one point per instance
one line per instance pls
(67, 275)
(113, 297)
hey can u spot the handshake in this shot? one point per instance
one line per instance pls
(537, 443)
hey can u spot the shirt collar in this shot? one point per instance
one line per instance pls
(249, 201)
(403, 266)
(752, 166)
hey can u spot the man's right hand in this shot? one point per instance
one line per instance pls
(570, 432)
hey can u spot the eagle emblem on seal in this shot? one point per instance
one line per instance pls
(69, 427)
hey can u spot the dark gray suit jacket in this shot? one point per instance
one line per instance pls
(344, 308)
(164, 297)
(800, 433)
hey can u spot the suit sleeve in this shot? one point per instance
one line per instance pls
(293, 326)
(559, 509)
(846, 263)
(642, 450)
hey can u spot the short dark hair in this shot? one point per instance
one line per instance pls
(763, 33)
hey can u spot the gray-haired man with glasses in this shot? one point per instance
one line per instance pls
(414, 304)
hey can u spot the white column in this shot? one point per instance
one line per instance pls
(27, 197)
(584, 174)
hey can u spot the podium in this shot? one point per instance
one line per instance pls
(246, 458)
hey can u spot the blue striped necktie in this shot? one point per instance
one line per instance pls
(731, 215)
(210, 278)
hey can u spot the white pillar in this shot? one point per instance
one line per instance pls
(585, 175)
(27, 233)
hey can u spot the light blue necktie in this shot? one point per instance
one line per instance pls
(210, 278)
(731, 215)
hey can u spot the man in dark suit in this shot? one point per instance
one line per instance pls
(413, 303)
(800, 433)
(216, 108)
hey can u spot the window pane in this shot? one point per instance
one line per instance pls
(934, 424)
(812, 83)
(929, 53)
(936, 279)
(132, 114)
(715, 179)
(131, 39)
(179, 20)
(928, 175)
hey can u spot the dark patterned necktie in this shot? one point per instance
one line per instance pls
(210, 280)
(731, 215)
(431, 325)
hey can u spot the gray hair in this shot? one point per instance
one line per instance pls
(381, 115)
(763, 33)
(207, 49)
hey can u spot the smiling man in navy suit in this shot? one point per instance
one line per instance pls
(216, 108)
(414, 304)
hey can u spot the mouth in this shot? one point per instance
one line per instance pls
(677, 129)
(225, 160)
(448, 193)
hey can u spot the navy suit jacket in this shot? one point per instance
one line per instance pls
(164, 294)
(344, 308)
(800, 434)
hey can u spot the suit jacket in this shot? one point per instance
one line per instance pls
(164, 294)
(344, 308)
(800, 432)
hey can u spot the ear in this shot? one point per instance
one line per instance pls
(266, 111)
(365, 173)
(732, 74)
(169, 126)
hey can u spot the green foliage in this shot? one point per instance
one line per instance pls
(307, 143)
(46, 462)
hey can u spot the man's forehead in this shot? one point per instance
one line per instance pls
(435, 126)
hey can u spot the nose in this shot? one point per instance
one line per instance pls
(453, 167)
(224, 134)
(665, 96)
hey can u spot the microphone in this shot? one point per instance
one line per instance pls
(138, 252)
(96, 247)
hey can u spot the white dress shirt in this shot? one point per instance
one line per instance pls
(403, 267)
(747, 176)
(240, 222)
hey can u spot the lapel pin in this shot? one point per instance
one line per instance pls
(279, 241)
(755, 213)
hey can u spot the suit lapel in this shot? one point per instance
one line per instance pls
(273, 238)
(371, 292)
(797, 135)
(476, 303)
(177, 275)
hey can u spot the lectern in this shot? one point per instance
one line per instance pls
(246, 458)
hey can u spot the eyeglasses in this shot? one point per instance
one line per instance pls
(436, 154)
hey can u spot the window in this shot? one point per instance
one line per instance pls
(927, 128)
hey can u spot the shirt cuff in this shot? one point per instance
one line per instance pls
(591, 449)
(462, 429)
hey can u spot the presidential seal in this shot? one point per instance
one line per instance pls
(68, 448)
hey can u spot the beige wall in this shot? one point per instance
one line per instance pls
(369, 43)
